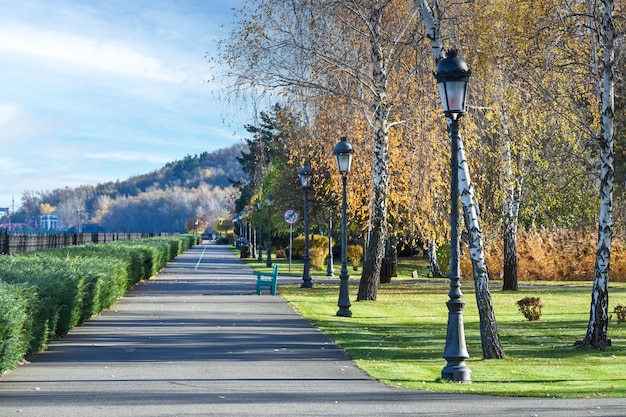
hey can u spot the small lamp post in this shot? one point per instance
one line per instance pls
(305, 182)
(343, 151)
(452, 77)
(329, 261)
(260, 235)
(268, 261)
(252, 240)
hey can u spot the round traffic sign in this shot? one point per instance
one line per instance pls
(290, 216)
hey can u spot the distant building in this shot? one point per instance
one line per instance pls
(49, 221)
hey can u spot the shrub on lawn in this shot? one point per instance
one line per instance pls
(315, 241)
(354, 254)
(530, 307)
(620, 310)
(318, 258)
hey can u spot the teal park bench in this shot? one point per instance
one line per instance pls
(267, 279)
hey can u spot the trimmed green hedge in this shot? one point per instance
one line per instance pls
(16, 317)
(46, 293)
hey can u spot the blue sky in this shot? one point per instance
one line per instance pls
(98, 90)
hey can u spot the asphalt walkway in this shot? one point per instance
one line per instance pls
(196, 340)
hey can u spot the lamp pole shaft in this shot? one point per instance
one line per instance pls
(329, 264)
(455, 351)
(344, 296)
(253, 241)
(268, 261)
(306, 272)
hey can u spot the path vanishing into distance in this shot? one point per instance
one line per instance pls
(196, 340)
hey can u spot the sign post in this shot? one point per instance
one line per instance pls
(291, 218)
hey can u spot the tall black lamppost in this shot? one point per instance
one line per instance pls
(343, 151)
(305, 182)
(452, 77)
(268, 261)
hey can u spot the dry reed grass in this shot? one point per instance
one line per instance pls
(555, 255)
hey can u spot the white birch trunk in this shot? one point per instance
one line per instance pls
(510, 211)
(368, 285)
(490, 338)
(432, 259)
(432, 26)
(489, 335)
(598, 317)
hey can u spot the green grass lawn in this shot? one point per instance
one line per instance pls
(399, 339)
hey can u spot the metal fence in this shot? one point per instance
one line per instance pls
(12, 243)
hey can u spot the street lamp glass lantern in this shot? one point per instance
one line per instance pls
(452, 77)
(343, 151)
(306, 173)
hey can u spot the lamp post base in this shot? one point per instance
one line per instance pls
(456, 371)
(344, 297)
(455, 352)
(307, 282)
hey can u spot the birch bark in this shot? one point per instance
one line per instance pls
(368, 285)
(489, 335)
(597, 329)
(490, 338)
(351, 49)
(432, 259)
(510, 214)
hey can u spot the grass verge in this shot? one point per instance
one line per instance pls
(399, 339)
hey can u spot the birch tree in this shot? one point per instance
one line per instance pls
(490, 338)
(348, 49)
(605, 40)
(510, 211)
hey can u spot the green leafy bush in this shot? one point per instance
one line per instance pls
(59, 294)
(443, 257)
(45, 294)
(15, 323)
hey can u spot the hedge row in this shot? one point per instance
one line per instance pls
(46, 293)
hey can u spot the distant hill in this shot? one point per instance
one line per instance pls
(161, 200)
(217, 168)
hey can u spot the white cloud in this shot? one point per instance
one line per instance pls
(127, 156)
(91, 53)
(8, 112)
(12, 165)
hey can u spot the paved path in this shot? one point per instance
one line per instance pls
(197, 341)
